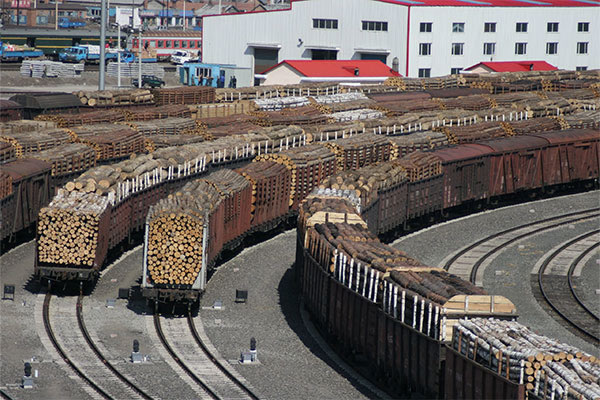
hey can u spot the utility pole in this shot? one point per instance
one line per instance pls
(140, 59)
(103, 15)
(119, 55)
(56, 14)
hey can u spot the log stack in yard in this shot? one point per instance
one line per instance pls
(360, 150)
(85, 118)
(184, 95)
(114, 97)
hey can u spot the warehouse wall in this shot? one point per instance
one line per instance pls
(230, 38)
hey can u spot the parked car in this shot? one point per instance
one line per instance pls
(181, 57)
(149, 80)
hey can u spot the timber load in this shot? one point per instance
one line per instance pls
(177, 248)
(154, 142)
(69, 158)
(78, 218)
(8, 152)
(86, 118)
(320, 133)
(26, 143)
(581, 120)
(25, 125)
(166, 126)
(153, 113)
(309, 165)
(417, 141)
(305, 115)
(5, 185)
(270, 191)
(114, 97)
(420, 165)
(549, 369)
(110, 141)
(360, 150)
(184, 95)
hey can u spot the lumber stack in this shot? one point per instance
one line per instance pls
(399, 96)
(326, 205)
(25, 125)
(353, 115)
(184, 95)
(166, 126)
(305, 115)
(475, 132)
(581, 120)
(177, 226)
(75, 218)
(221, 109)
(159, 112)
(416, 141)
(350, 105)
(473, 102)
(132, 70)
(420, 165)
(5, 185)
(32, 142)
(7, 152)
(68, 158)
(394, 108)
(110, 141)
(309, 165)
(50, 69)
(114, 97)
(548, 368)
(230, 130)
(87, 118)
(161, 141)
(360, 150)
(367, 181)
(279, 103)
(270, 190)
(340, 98)
(532, 125)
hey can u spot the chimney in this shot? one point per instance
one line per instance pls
(356, 71)
(396, 64)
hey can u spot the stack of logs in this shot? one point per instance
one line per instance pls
(420, 165)
(7, 152)
(549, 369)
(175, 235)
(75, 217)
(25, 125)
(422, 141)
(154, 142)
(87, 118)
(68, 158)
(309, 165)
(167, 126)
(5, 185)
(152, 113)
(111, 141)
(360, 150)
(184, 95)
(114, 97)
(32, 142)
(583, 120)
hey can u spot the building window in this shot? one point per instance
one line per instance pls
(425, 26)
(521, 26)
(168, 44)
(198, 44)
(41, 20)
(184, 44)
(552, 27)
(424, 72)
(458, 27)
(424, 49)
(552, 48)
(455, 71)
(521, 48)
(582, 68)
(583, 27)
(457, 49)
(582, 47)
(317, 54)
(489, 49)
(319, 23)
(374, 26)
(489, 27)
(161, 43)
(176, 43)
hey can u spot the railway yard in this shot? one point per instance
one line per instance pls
(394, 240)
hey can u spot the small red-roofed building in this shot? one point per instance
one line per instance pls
(342, 71)
(509, 66)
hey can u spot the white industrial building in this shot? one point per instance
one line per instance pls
(428, 37)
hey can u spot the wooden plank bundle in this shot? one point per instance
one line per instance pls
(360, 150)
(68, 158)
(184, 95)
(340, 98)
(31, 142)
(309, 165)
(353, 115)
(114, 97)
(7, 152)
(279, 103)
(5, 185)
(548, 368)
(86, 118)
(50, 69)
(25, 125)
(131, 70)
(416, 141)
(177, 225)
(420, 165)
(76, 218)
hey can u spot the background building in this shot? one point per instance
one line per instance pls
(428, 37)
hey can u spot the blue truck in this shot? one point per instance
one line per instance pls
(18, 53)
(65, 22)
(86, 53)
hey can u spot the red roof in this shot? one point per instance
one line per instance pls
(338, 68)
(514, 66)
(496, 3)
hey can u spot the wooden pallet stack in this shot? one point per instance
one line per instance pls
(549, 369)
(75, 217)
(68, 158)
(360, 150)
(25, 143)
(184, 95)
(8, 152)
(87, 118)
(420, 165)
(5, 185)
(416, 141)
(114, 97)
(181, 218)
(309, 165)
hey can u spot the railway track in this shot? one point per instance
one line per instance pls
(470, 262)
(71, 344)
(555, 282)
(181, 340)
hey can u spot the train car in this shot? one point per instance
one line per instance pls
(52, 41)
(10, 111)
(167, 42)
